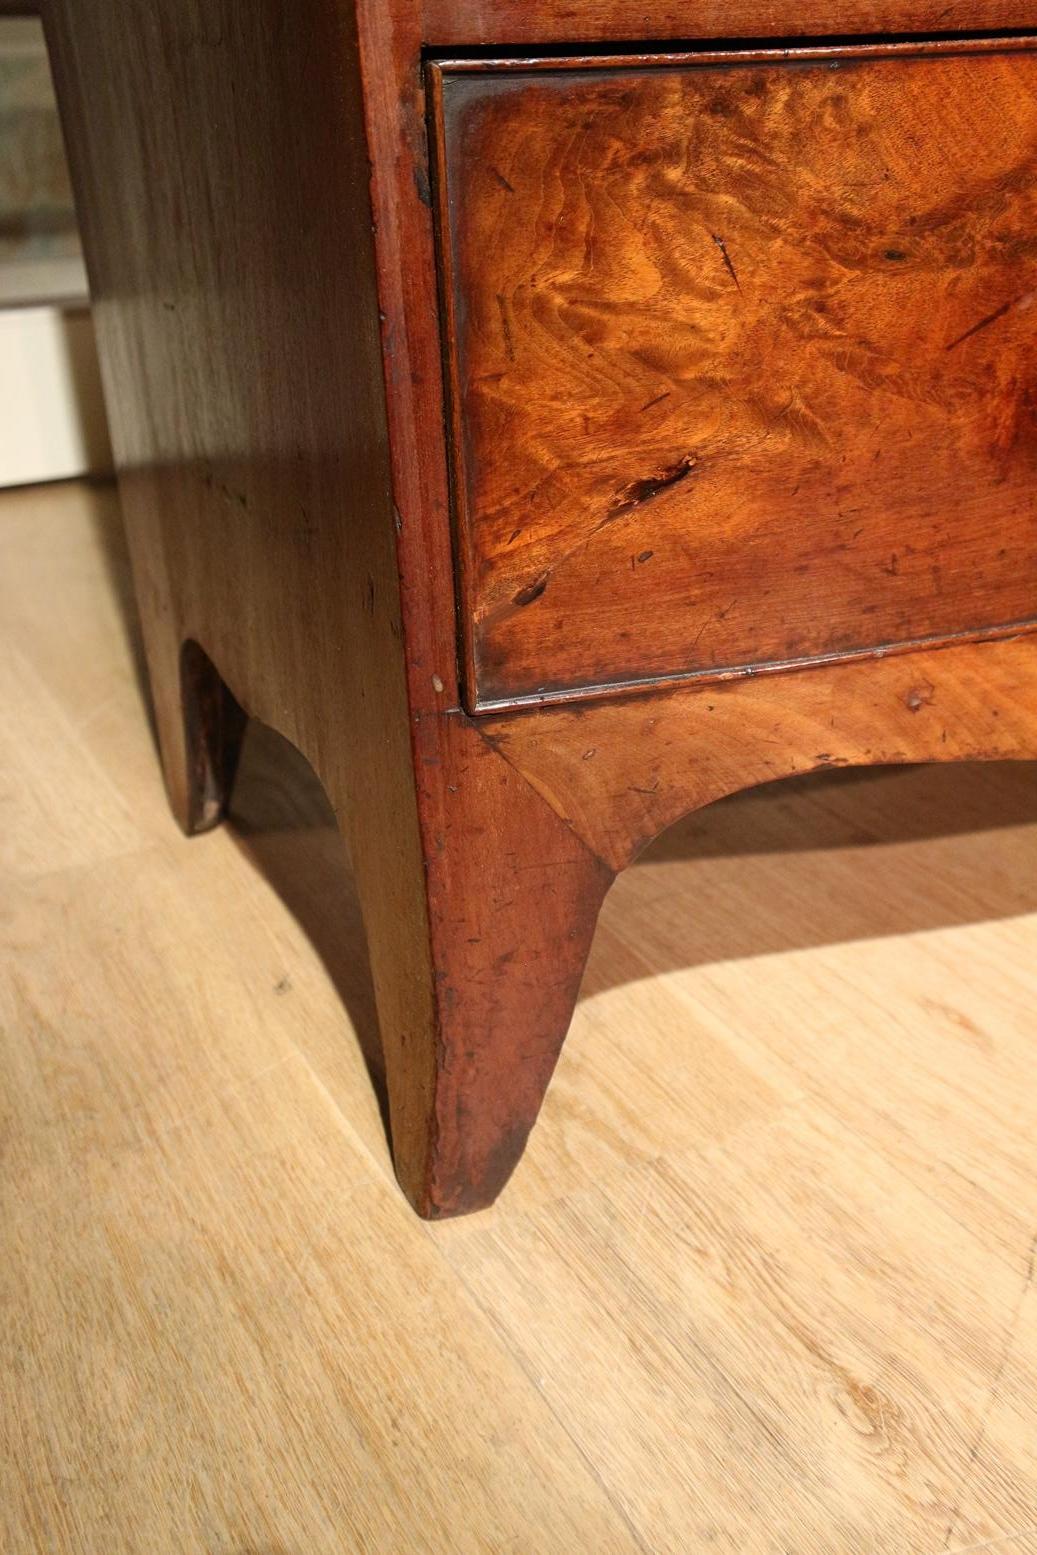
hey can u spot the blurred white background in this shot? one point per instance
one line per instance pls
(52, 422)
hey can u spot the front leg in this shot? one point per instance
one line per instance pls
(511, 898)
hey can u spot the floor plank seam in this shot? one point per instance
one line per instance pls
(1006, 1350)
(992, 1544)
(534, 1382)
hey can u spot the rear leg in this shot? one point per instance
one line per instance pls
(200, 729)
(214, 727)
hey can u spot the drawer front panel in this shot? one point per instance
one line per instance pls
(742, 357)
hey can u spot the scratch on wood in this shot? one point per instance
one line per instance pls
(919, 696)
(421, 184)
(509, 344)
(728, 262)
(532, 591)
(991, 318)
(657, 401)
(628, 499)
(641, 491)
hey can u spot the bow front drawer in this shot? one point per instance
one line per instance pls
(741, 358)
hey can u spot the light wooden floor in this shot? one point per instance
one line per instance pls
(765, 1281)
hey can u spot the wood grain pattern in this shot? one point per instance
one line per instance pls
(763, 1281)
(459, 23)
(249, 432)
(284, 539)
(238, 318)
(264, 268)
(743, 360)
(513, 897)
(620, 773)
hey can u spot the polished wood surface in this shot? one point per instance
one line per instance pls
(518, 23)
(284, 542)
(742, 360)
(251, 438)
(620, 774)
(259, 211)
(764, 1283)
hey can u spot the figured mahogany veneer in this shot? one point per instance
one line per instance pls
(730, 336)
(738, 370)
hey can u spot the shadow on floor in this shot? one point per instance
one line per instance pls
(285, 824)
(283, 821)
(112, 548)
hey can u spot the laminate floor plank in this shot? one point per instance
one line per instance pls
(764, 1282)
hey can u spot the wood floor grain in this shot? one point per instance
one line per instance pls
(765, 1281)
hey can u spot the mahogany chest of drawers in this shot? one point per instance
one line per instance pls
(552, 417)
